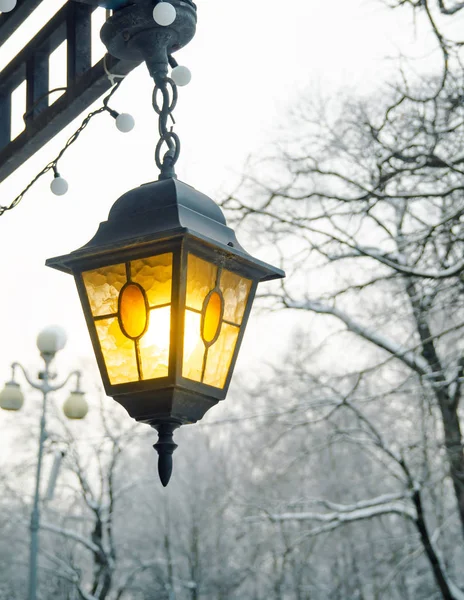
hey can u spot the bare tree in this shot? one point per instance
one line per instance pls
(365, 206)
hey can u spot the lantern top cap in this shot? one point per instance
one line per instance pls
(158, 195)
(157, 211)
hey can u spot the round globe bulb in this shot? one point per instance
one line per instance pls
(164, 14)
(59, 186)
(51, 340)
(7, 5)
(76, 406)
(125, 122)
(11, 397)
(181, 75)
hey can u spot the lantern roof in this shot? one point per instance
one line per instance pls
(157, 211)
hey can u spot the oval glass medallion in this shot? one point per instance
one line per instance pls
(212, 317)
(133, 314)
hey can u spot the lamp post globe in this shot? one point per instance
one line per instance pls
(76, 406)
(51, 340)
(11, 397)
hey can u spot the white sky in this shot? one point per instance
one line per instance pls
(251, 60)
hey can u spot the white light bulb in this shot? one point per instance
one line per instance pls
(59, 186)
(7, 5)
(125, 122)
(164, 14)
(181, 75)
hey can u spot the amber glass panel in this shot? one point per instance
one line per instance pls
(212, 317)
(236, 291)
(118, 352)
(201, 279)
(133, 311)
(154, 345)
(220, 356)
(154, 274)
(103, 287)
(194, 347)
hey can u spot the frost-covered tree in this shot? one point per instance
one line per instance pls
(365, 206)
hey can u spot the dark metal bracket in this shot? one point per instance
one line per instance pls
(85, 84)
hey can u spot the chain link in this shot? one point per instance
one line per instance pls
(168, 91)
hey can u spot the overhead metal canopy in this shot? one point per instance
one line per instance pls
(85, 84)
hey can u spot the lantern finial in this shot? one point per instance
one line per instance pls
(165, 448)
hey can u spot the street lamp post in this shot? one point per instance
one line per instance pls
(49, 342)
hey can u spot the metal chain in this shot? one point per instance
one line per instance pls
(168, 90)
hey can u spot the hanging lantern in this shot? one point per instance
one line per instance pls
(165, 287)
(166, 291)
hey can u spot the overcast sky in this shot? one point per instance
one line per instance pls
(251, 61)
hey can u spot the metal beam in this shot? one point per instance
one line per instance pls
(85, 84)
(68, 107)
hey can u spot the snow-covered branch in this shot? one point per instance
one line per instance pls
(73, 535)
(384, 499)
(452, 10)
(408, 357)
(451, 271)
(349, 514)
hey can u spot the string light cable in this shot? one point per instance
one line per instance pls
(164, 14)
(59, 186)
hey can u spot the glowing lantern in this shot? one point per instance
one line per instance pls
(166, 290)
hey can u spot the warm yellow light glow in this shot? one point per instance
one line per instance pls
(154, 345)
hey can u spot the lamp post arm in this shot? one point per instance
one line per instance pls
(37, 386)
(59, 386)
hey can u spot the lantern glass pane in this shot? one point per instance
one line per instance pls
(201, 279)
(118, 351)
(216, 300)
(194, 347)
(154, 275)
(236, 290)
(131, 308)
(103, 287)
(220, 356)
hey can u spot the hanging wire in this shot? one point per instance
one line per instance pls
(53, 165)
